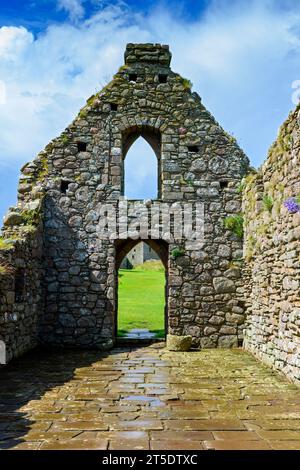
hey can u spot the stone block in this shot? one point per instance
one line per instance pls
(12, 218)
(223, 285)
(179, 343)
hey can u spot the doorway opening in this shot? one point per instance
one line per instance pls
(141, 289)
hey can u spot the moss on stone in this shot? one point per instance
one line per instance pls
(236, 263)
(91, 99)
(187, 84)
(82, 113)
(177, 252)
(6, 244)
(6, 269)
(26, 229)
(186, 182)
(241, 187)
(262, 229)
(2, 270)
(43, 169)
(31, 217)
(235, 223)
(284, 140)
(250, 179)
(251, 244)
(64, 139)
(123, 68)
(49, 148)
(107, 87)
(230, 138)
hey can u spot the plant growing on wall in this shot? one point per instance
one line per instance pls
(292, 204)
(64, 139)
(240, 187)
(187, 84)
(177, 252)
(188, 181)
(268, 202)
(5, 244)
(31, 217)
(235, 223)
(230, 137)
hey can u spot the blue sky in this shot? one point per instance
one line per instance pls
(242, 56)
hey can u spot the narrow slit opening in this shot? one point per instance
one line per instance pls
(19, 285)
(162, 78)
(224, 184)
(81, 146)
(193, 148)
(113, 107)
(64, 186)
(132, 77)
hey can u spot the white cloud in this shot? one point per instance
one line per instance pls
(74, 8)
(2, 93)
(13, 41)
(242, 62)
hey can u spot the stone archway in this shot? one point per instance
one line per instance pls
(122, 248)
(153, 137)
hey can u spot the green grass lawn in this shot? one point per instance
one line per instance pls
(141, 300)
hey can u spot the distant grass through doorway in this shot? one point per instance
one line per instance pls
(142, 298)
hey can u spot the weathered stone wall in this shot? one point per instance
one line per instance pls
(272, 255)
(84, 167)
(197, 161)
(21, 299)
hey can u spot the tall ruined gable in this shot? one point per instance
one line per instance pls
(60, 192)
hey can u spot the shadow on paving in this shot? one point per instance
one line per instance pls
(146, 398)
(29, 378)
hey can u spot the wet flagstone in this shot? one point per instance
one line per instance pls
(146, 398)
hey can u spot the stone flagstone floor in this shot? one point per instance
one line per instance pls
(146, 398)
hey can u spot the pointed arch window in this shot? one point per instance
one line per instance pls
(141, 177)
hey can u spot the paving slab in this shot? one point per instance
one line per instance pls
(144, 397)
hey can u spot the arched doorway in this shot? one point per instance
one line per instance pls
(160, 247)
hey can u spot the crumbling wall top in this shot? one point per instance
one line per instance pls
(148, 53)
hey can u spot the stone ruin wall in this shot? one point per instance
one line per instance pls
(80, 299)
(69, 279)
(198, 162)
(68, 288)
(21, 293)
(272, 255)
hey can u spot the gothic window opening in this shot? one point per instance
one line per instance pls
(141, 176)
